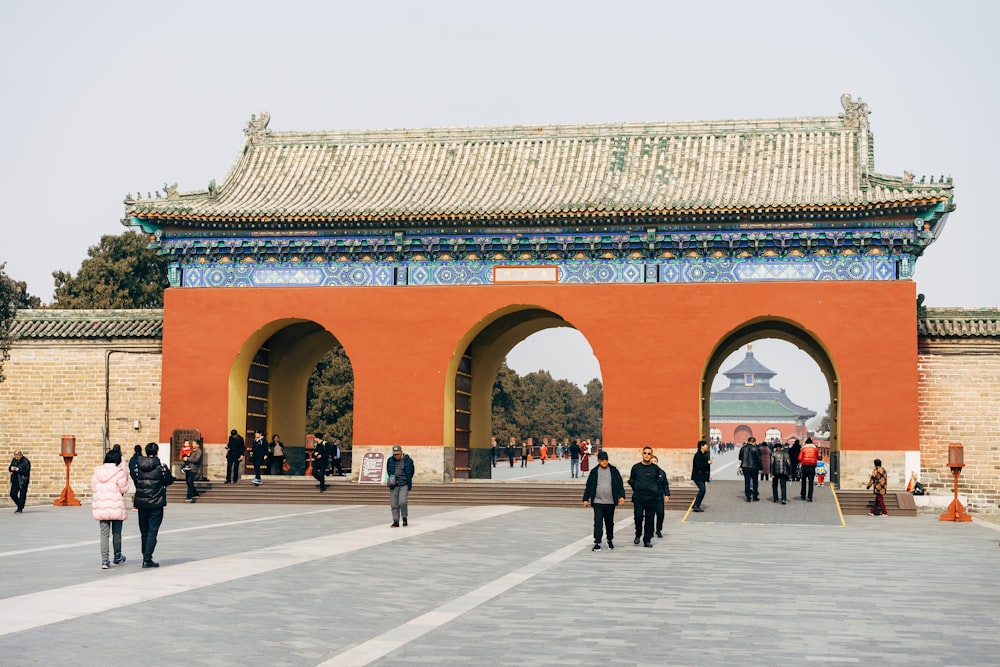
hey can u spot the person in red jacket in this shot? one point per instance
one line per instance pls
(808, 456)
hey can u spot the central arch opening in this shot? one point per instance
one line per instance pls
(479, 374)
(748, 377)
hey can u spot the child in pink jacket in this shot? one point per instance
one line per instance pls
(109, 484)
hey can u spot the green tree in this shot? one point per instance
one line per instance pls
(13, 296)
(507, 406)
(119, 272)
(330, 398)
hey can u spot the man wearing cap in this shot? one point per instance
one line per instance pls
(399, 468)
(604, 490)
(750, 466)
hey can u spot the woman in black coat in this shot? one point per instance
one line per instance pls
(701, 473)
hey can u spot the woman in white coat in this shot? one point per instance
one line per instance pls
(109, 484)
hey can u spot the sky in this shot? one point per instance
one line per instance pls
(105, 98)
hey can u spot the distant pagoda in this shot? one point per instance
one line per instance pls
(751, 406)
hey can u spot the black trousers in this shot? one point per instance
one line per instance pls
(18, 493)
(775, 481)
(808, 477)
(701, 492)
(149, 528)
(604, 520)
(645, 515)
(232, 470)
(189, 478)
(750, 482)
(319, 472)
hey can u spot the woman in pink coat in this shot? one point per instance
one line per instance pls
(109, 484)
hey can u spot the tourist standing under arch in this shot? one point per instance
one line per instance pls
(701, 473)
(808, 457)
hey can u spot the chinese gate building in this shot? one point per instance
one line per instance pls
(429, 254)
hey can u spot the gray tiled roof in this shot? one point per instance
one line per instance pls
(486, 173)
(959, 323)
(87, 324)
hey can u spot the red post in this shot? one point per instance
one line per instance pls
(956, 461)
(67, 450)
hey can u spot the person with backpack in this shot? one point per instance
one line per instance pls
(151, 481)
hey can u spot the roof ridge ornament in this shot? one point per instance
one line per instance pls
(854, 112)
(257, 128)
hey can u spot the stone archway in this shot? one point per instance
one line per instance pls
(790, 332)
(275, 363)
(469, 389)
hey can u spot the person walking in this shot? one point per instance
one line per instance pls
(808, 457)
(603, 491)
(574, 459)
(821, 469)
(399, 467)
(192, 463)
(276, 456)
(765, 461)
(335, 456)
(525, 453)
(320, 459)
(493, 453)
(151, 481)
(644, 480)
(701, 473)
(750, 465)
(258, 456)
(878, 483)
(661, 502)
(509, 451)
(20, 477)
(793, 457)
(108, 486)
(235, 449)
(781, 468)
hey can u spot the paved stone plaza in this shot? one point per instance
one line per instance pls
(310, 585)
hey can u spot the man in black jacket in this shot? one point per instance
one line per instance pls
(320, 460)
(647, 489)
(20, 477)
(235, 449)
(750, 466)
(604, 490)
(151, 481)
(400, 471)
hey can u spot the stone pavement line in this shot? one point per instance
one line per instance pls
(33, 610)
(387, 642)
(135, 536)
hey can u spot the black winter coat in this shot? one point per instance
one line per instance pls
(648, 481)
(701, 470)
(617, 485)
(150, 486)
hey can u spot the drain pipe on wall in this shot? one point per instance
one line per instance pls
(107, 386)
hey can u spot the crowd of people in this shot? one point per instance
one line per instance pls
(775, 463)
(604, 489)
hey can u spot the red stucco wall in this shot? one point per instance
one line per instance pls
(652, 342)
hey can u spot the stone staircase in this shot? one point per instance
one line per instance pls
(302, 490)
(859, 502)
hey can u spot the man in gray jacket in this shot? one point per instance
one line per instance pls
(604, 490)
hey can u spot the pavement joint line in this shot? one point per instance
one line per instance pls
(391, 640)
(33, 610)
(172, 531)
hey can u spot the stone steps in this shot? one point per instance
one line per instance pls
(859, 502)
(302, 490)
